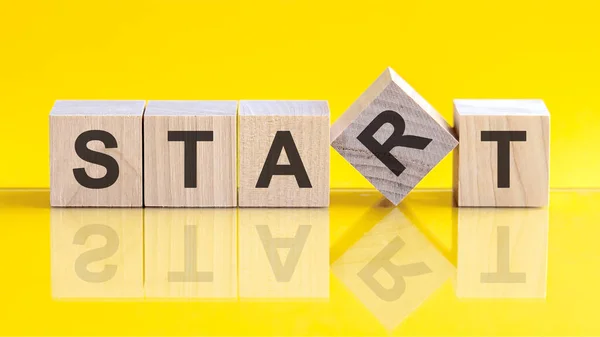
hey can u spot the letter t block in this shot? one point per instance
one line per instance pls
(392, 136)
(503, 156)
(284, 154)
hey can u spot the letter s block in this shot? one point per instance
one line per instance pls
(284, 154)
(503, 156)
(96, 153)
(392, 136)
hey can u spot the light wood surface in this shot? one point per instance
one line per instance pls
(391, 93)
(123, 121)
(96, 253)
(478, 173)
(190, 253)
(164, 160)
(284, 253)
(307, 124)
(502, 253)
(418, 266)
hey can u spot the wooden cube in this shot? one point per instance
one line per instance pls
(502, 253)
(392, 136)
(503, 156)
(190, 154)
(190, 253)
(284, 253)
(284, 154)
(96, 153)
(96, 253)
(392, 269)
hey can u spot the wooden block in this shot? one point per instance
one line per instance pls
(392, 136)
(96, 153)
(190, 153)
(503, 157)
(502, 253)
(284, 154)
(284, 253)
(96, 253)
(392, 269)
(190, 253)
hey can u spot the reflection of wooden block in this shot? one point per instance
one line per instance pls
(284, 253)
(502, 253)
(503, 157)
(191, 253)
(190, 153)
(392, 269)
(392, 136)
(96, 153)
(97, 253)
(284, 154)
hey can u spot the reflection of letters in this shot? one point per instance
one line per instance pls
(283, 271)
(383, 261)
(98, 254)
(503, 275)
(190, 263)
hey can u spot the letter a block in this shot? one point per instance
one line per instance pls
(189, 154)
(284, 154)
(96, 153)
(503, 157)
(392, 136)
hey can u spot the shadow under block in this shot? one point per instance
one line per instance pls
(502, 253)
(96, 253)
(393, 269)
(190, 253)
(392, 136)
(190, 154)
(284, 253)
(503, 156)
(284, 154)
(96, 153)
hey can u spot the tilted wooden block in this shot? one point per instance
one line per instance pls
(503, 156)
(284, 154)
(96, 153)
(97, 253)
(392, 136)
(502, 253)
(190, 253)
(190, 153)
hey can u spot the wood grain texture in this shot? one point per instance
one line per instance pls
(123, 120)
(502, 253)
(190, 253)
(164, 177)
(96, 253)
(392, 269)
(308, 124)
(391, 92)
(476, 168)
(284, 253)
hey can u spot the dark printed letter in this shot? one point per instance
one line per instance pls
(283, 140)
(503, 138)
(102, 159)
(189, 139)
(398, 138)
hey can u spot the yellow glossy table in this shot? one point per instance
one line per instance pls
(458, 271)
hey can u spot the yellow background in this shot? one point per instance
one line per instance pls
(291, 49)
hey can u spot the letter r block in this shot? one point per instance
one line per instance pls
(96, 153)
(284, 154)
(190, 154)
(392, 136)
(503, 156)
